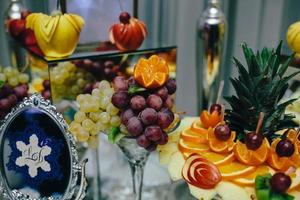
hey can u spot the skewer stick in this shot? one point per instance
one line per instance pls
(222, 112)
(290, 170)
(221, 86)
(260, 121)
(298, 131)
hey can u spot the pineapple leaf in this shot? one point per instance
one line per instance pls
(284, 66)
(278, 49)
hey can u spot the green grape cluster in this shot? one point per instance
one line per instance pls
(12, 76)
(96, 114)
(67, 81)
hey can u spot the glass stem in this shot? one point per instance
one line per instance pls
(137, 172)
(96, 178)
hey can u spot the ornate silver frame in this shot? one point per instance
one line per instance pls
(77, 169)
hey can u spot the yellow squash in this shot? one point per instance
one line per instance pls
(56, 35)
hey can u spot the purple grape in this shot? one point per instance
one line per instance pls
(153, 133)
(131, 81)
(46, 94)
(120, 99)
(149, 116)
(2, 114)
(164, 119)
(13, 99)
(137, 103)
(169, 103)
(5, 91)
(126, 115)
(46, 84)
(162, 93)
(120, 84)
(20, 91)
(109, 74)
(152, 147)
(108, 64)
(171, 86)
(154, 101)
(164, 139)
(169, 112)
(142, 141)
(134, 127)
(24, 85)
(87, 63)
(5, 105)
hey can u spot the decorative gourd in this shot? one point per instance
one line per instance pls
(129, 34)
(293, 37)
(57, 35)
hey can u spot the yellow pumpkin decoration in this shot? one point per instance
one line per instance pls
(293, 37)
(57, 35)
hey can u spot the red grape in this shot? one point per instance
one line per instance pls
(134, 127)
(169, 112)
(131, 81)
(215, 107)
(124, 17)
(87, 63)
(126, 115)
(20, 92)
(108, 64)
(285, 148)
(120, 84)
(88, 88)
(12, 99)
(120, 99)
(149, 116)
(222, 132)
(5, 91)
(280, 182)
(164, 119)
(253, 140)
(46, 94)
(152, 147)
(2, 114)
(142, 141)
(5, 105)
(164, 139)
(109, 74)
(169, 103)
(162, 93)
(154, 101)
(153, 133)
(171, 86)
(137, 103)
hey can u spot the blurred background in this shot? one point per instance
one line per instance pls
(173, 22)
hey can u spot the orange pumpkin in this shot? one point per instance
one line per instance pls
(129, 34)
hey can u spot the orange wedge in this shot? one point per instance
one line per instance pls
(192, 136)
(235, 170)
(210, 119)
(189, 147)
(250, 157)
(220, 146)
(198, 127)
(282, 163)
(152, 72)
(249, 180)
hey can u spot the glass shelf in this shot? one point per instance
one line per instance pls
(90, 51)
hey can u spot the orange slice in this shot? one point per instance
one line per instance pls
(198, 127)
(235, 170)
(250, 157)
(192, 136)
(189, 147)
(210, 119)
(249, 180)
(220, 146)
(152, 72)
(295, 181)
(282, 163)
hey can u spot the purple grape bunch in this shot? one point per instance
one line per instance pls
(147, 113)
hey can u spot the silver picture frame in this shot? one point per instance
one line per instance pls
(76, 185)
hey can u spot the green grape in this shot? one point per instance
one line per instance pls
(103, 85)
(104, 117)
(13, 81)
(79, 116)
(75, 89)
(95, 130)
(81, 82)
(74, 127)
(88, 124)
(23, 78)
(115, 121)
(95, 115)
(96, 92)
(123, 129)
(102, 126)
(104, 101)
(2, 77)
(108, 92)
(8, 71)
(80, 98)
(82, 135)
(111, 109)
(15, 72)
(93, 142)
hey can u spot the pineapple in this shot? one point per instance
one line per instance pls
(260, 89)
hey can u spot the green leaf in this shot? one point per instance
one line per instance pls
(1, 84)
(278, 49)
(284, 66)
(135, 89)
(113, 134)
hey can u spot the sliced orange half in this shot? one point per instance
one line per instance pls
(189, 147)
(235, 170)
(197, 127)
(192, 136)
